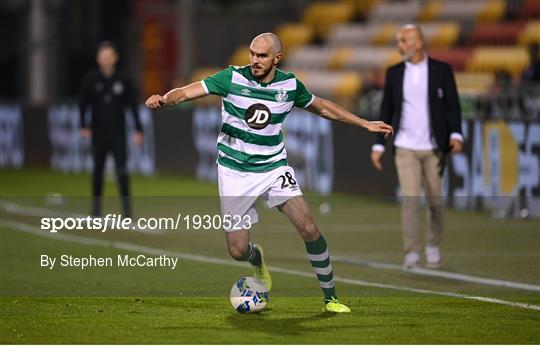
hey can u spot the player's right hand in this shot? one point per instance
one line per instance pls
(155, 101)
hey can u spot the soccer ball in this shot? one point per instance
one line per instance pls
(54, 199)
(249, 295)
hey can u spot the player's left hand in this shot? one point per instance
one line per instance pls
(456, 146)
(380, 126)
(138, 138)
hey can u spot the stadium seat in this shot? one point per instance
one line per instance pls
(496, 33)
(328, 84)
(398, 11)
(530, 9)
(430, 11)
(443, 34)
(492, 11)
(364, 58)
(294, 35)
(352, 34)
(240, 57)
(361, 8)
(456, 57)
(339, 58)
(344, 58)
(385, 35)
(490, 59)
(392, 58)
(323, 16)
(202, 73)
(463, 10)
(349, 85)
(460, 10)
(474, 83)
(333, 52)
(310, 57)
(531, 34)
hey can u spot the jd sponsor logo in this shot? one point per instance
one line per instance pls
(257, 116)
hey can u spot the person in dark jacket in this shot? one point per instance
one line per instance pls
(107, 94)
(421, 102)
(532, 72)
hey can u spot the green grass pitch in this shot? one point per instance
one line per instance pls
(189, 305)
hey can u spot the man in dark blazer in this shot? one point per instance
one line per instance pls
(421, 102)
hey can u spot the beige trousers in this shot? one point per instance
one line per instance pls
(419, 169)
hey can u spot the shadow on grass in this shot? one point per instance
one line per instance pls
(266, 322)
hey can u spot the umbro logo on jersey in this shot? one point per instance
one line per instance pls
(257, 116)
(245, 91)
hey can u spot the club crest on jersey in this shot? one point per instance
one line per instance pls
(257, 116)
(281, 95)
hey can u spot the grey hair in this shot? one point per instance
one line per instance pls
(417, 29)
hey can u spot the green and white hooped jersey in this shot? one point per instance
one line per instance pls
(253, 113)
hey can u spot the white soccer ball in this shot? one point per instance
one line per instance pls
(325, 208)
(54, 199)
(249, 295)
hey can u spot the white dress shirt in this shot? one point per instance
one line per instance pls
(414, 128)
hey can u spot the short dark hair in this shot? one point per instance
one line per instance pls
(107, 44)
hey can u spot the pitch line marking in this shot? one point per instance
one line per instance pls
(437, 273)
(204, 259)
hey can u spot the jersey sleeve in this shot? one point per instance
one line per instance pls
(303, 97)
(219, 83)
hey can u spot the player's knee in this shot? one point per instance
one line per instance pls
(310, 232)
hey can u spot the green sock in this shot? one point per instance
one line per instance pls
(320, 261)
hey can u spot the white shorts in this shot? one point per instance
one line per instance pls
(238, 192)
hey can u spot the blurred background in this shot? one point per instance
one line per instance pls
(339, 49)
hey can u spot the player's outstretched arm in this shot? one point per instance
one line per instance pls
(330, 110)
(175, 96)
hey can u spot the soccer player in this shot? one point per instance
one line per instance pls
(252, 160)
